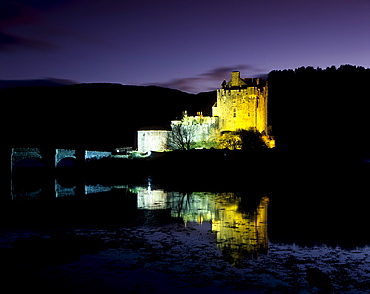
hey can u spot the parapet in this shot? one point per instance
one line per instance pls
(238, 83)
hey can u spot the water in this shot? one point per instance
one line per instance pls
(285, 240)
(239, 229)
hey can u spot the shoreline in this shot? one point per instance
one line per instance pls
(171, 258)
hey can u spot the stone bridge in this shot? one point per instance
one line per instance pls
(52, 157)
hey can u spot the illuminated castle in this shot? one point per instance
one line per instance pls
(241, 105)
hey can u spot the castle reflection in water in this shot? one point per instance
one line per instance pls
(239, 232)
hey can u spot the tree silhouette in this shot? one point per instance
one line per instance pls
(311, 109)
(181, 137)
(251, 139)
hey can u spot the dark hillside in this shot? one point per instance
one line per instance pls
(99, 116)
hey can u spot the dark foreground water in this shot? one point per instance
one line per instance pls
(299, 236)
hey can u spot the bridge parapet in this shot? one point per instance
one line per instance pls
(96, 154)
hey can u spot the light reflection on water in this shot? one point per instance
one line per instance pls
(238, 232)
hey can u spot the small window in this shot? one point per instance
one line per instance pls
(234, 112)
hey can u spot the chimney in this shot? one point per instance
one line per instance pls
(235, 78)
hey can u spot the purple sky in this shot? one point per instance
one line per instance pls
(189, 45)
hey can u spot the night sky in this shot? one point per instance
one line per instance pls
(189, 45)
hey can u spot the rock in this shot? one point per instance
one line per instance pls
(318, 279)
(54, 250)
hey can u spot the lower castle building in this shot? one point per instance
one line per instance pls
(152, 139)
(241, 105)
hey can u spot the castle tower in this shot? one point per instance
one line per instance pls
(242, 104)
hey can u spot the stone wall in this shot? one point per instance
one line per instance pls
(203, 128)
(152, 140)
(96, 154)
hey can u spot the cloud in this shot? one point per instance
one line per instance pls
(211, 79)
(183, 84)
(223, 72)
(18, 13)
(25, 14)
(8, 41)
(15, 13)
(46, 82)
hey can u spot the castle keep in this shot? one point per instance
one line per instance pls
(241, 105)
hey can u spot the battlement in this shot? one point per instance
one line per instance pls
(236, 82)
(196, 119)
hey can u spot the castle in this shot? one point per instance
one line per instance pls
(241, 105)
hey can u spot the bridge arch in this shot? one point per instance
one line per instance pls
(66, 162)
(27, 194)
(28, 162)
(61, 191)
(65, 157)
(27, 156)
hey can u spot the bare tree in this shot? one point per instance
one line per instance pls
(181, 137)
